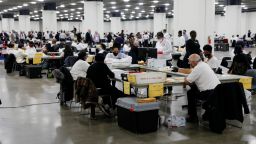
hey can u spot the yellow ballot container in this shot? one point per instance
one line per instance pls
(127, 88)
(247, 82)
(90, 58)
(155, 90)
(37, 58)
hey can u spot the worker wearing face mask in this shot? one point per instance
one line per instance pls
(164, 48)
(115, 53)
(210, 58)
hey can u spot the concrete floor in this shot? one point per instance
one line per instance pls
(47, 123)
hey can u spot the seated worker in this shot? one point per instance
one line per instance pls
(47, 48)
(103, 49)
(115, 53)
(74, 43)
(126, 47)
(134, 52)
(99, 73)
(240, 63)
(210, 58)
(10, 48)
(19, 54)
(30, 49)
(62, 43)
(80, 46)
(55, 46)
(67, 52)
(202, 81)
(80, 68)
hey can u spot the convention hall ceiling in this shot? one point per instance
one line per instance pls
(130, 9)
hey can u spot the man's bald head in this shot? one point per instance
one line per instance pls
(194, 59)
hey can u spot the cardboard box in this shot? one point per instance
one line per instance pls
(147, 78)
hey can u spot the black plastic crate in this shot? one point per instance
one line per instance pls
(34, 71)
(138, 122)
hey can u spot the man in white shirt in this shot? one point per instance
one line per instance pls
(185, 35)
(145, 39)
(30, 50)
(35, 35)
(22, 37)
(19, 54)
(62, 36)
(202, 81)
(166, 35)
(80, 46)
(180, 41)
(80, 68)
(74, 43)
(47, 35)
(164, 48)
(211, 60)
(115, 53)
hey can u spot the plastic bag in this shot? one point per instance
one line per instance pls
(175, 121)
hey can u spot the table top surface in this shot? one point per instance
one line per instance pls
(49, 57)
(178, 78)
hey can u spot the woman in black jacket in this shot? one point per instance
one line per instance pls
(192, 47)
(134, 52)
(240, 63)
(67, 52)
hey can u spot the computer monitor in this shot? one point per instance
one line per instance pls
(146, 53)
(142, 54)
(152, 53)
